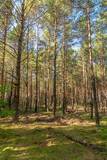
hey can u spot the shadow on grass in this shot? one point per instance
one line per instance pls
(40, 144)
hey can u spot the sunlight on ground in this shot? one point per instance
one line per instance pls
(31, 139)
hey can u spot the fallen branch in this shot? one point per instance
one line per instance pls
(79, 141)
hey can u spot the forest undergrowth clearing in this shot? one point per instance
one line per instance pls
(31, 138)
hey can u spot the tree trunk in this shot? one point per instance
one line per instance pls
(63, 70)
(72, 92)
(91, 103)
(66, 81)
(10, 97)
(54, 87)
(39, 90)
(31, 84)
(17, 90)
(91, 65)
(84, 81)
(27, 98)
(45, 77)
(36, 99)
(48, 100)
(4, 46)
(75, 94)
(102, 80)
(103, 75)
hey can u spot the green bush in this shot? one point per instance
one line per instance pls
(3, 89)
(5, 113)
(3, 103)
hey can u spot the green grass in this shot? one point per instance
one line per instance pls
(34, 141)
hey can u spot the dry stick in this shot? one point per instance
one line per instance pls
(79, 141)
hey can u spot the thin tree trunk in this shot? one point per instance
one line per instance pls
(48, 100)
(31, 84)
(4, 46)
(103, 60)
(36, 99)
(87, 85)
(75, 94)
(11, 93)
(103, 75)
(91, 103)
(72, 88)
(102, 79)
(97, 93)
(27, 98)
(63, 70)
(91, 65)
(84, 81)
(45, 77)
(16, 115)
(39, 89)
(66, 81)
(5, 82)
(72, 93)
(54, 87)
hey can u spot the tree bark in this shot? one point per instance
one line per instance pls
(48, 98)
(84, 80)
(4, 46)
(75, 94)
(91, 65)
(63, 70)
(72, 93)
(103, 71)
(66, 100)
(45, 77)
(31, 82)
(17, 89)
(54, 87)
(11, 92)
(36, 99)
(27, 98)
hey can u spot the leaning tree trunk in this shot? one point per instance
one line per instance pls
(54, 87)
(91, 65)
(4, 46)
(17, 89)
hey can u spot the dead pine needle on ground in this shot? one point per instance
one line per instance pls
(41, 136)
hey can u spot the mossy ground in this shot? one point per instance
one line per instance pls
(30, 139)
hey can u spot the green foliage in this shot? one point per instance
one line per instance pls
(4, 113)
(101, 130)
(3, 103)
(4, 89)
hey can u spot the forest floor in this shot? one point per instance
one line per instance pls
(41, 137)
